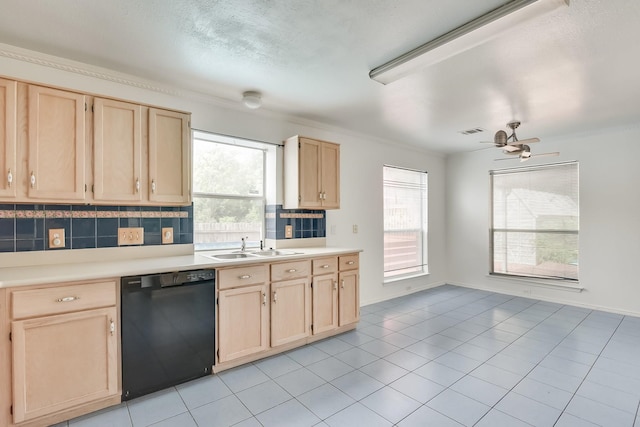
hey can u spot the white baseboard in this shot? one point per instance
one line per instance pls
(547, 299)
(401, 293)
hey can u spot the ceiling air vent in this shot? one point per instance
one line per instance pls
(471, 131)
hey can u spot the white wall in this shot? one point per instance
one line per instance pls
(361, 166)
(609, 219)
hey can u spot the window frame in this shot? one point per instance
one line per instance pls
(424, 231)
(493, 230)
(215, 138)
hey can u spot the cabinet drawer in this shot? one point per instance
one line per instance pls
(290, 270)
(242, 276)
(325, 265)
(62, 299)
(348, 262)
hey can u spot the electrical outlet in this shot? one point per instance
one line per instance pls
(56, 238)
(288, 231)
(167, 235)
(355, 228)
(130, 236)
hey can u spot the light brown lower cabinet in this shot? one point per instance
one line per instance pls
(64, 351)
(325, 303)
(243, 321)
(62, 361)
(290, 311)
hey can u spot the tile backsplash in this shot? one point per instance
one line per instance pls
(25, 227)
(306, 223)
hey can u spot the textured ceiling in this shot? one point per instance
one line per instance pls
(573, 70)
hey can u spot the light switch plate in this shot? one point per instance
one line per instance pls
(56, 238)
(288, 231)
(167, 235)
(130, 236)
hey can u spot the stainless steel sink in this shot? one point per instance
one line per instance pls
(232, 256)
(274, 252)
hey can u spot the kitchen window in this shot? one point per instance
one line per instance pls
(535, 221)
(228, 191)
(405, 222)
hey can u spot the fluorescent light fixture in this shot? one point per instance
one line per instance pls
(463, 38)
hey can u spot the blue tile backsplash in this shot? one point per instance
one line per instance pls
(306, 223)
(25, 227)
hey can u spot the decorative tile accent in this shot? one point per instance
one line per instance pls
(305, 223)
(23, 227)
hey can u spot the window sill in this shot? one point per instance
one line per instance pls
(393, 280)
(544, 283)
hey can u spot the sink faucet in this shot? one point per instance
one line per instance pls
(243, 246)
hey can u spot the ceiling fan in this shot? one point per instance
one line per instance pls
(516, 148)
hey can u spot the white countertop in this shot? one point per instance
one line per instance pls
(90, 270)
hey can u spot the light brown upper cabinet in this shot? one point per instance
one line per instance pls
(311, 174)
(56, 145)
(8, 108)
(117, 151)
(61, 146)
(169, 157)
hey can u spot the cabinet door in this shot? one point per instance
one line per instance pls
(56, 144)
(169, 157)
(117, 151)
(63, 361)
(243, 322)
(309, 173)
(330, 175)
(8, 91)
(349, 298)
(290, 311)
(325, 303)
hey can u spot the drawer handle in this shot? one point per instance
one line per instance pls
(33, 180)
(112, 327)
(9, 178)
(264, 299)
(275, 297)
(245, 276)
(335, 286)
(291, 270)
(325, 266)
(67, 299)
(350, 262)
(342, 284)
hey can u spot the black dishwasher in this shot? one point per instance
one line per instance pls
(168, 328)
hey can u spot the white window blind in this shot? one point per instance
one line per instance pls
(405, 221)
(535, 221)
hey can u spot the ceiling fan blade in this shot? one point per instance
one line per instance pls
(555, 153)
(511, 148)
(524, 141)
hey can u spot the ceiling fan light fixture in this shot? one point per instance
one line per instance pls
(463, 38)
(252, 99)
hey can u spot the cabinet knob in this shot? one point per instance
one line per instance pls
(264, 299)
(275, 297)
(335, 286)
(112, 327)
(33, 180)
(9, 178)
(342, 284)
